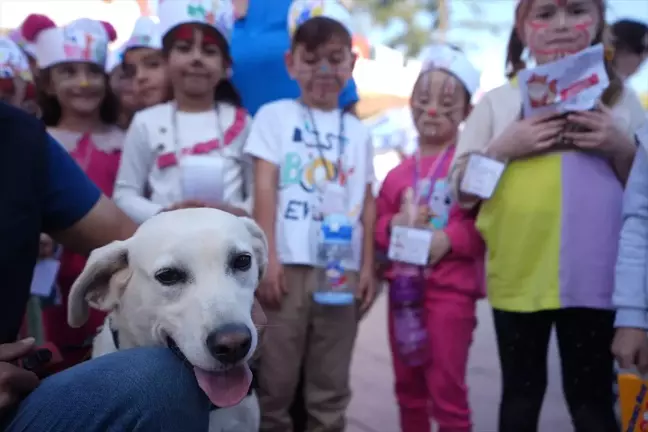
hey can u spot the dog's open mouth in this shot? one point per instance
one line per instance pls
(223, 388)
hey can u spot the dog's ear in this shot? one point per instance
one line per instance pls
(101, 284)
(260, 244)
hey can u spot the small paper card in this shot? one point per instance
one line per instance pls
(481, 176)
(334, 199)
(202, 179)
(573, 83)
(44, 277)
(410, 245)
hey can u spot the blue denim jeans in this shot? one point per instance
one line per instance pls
(138, 390)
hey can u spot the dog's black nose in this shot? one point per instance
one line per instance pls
(230, 343)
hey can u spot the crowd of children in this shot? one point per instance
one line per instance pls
(150, 121)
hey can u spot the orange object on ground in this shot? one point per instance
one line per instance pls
(633, 397)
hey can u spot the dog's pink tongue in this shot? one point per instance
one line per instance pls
(225, 389)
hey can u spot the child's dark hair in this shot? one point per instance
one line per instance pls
(51, 108)
(225, 90)
(317, 31)
(515, 63)
(630, 36)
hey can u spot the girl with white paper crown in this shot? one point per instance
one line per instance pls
(17, 85)
(79, 111)
(416, 194)
(551, 225)
(145, 64)
(189, 152)
(121, 85)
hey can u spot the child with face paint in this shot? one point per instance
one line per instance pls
(79, 111)
(552, 225)
(417, 191)
(308, 152)
(145, 64)
(121, 85)
(204, 119)
(16, 80)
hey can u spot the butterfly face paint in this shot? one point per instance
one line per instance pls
(322, 73)
(553, 29)
(438, 105)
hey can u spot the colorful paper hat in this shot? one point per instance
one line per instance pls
(114, 59)
(13, 61)
(83, 40)
(218, 14)
(146, 34)
(16, 36)
(302, 10)
(454, 61)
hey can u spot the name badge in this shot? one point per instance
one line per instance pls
(333, 199)
(202, 178)
(410, 245)
(481, 176)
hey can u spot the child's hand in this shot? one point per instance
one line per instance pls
(46, 247)
(440, 246)
(630, 347)
(366, 292)
(527, 136)
(273, 287)
(420, 220)
(601, 132)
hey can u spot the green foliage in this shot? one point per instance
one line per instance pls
(420, 32)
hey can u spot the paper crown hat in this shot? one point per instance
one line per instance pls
(451, 59)
(302, 10)
(146, 34)
(114, 59)
(16, 36)
(83, 40)
(218, 14)
(13, 61)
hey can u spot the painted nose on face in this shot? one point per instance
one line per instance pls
(230, 343)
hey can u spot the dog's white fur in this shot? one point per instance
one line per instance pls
(121, 278)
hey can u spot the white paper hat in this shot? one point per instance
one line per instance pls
(454, 61)
(146, 34)
(13, 61)
(114, 59)
(218, 14)
(16, 36)
(302, 10)
(83, 40)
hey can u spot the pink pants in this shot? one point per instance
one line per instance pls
(438, 389)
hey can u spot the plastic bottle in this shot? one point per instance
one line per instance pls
(335, 246)
(406, 297)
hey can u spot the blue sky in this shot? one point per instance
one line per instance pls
(487, 51)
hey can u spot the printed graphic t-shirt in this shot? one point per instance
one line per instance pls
(284, 134)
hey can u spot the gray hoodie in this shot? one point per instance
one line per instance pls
(631, 285)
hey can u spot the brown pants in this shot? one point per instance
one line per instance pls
(320, 338)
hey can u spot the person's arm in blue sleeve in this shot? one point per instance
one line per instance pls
(349, 96)
(630, 297)
(76, 214)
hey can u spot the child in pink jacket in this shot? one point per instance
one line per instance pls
(453, 281)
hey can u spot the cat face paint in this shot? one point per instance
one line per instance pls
(438, 104)
(553, 29)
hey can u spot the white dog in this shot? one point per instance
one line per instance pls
(186, 279)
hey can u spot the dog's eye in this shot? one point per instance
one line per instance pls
(241, 262)
(170, 276)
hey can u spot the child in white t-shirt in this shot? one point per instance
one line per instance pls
(303, 150)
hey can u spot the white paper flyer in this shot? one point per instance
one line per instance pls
(574, 83)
